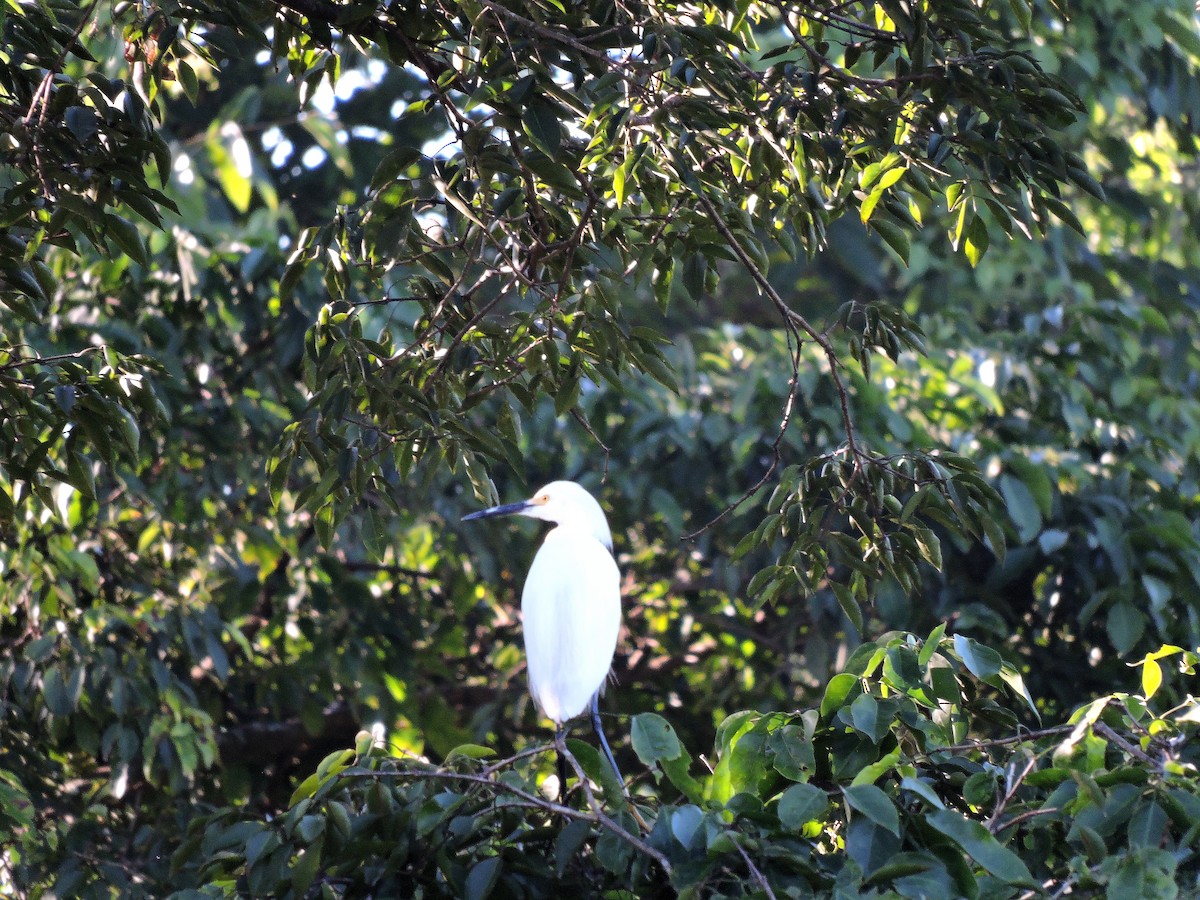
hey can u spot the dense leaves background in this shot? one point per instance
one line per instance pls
(872, 325)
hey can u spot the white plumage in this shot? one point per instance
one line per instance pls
(571, 604)
(571, 610)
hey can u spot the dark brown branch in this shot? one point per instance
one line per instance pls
(757, 875)
(373, 29)
(560, 745)
(1134, 751)
(1000, 742)
(267, 741)
(796, 324)
(993, 822)
(362, 566)
(597, 816)
(1026, 816)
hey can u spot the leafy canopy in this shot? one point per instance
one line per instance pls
(886, 308)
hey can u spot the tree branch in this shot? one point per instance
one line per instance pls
(596, 817)
(755, 873)
(1000, 742)
(266, 741)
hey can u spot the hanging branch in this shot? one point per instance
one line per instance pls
(797, 325)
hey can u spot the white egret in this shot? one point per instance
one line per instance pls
(571, 605)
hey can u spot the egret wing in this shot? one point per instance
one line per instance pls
(571, 610)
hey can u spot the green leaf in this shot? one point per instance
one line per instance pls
(1022, 507)
(334, 763)
(894, 236)
(1125, 624)
(1023, 10)
(1037, 479)
(889, 178)
(258, 842)
(1147, 825)
(1128, 878)
(658, 369)
(277, 477)
(1016, 684)
(613, 853)
(793, 752)
(678, 772)
(187, 79)
(229, 152)
(654, 739)
(596, 767)
(902, 865)
(978, 843)
(840, 687)
(55, 693)
(848, 603)
(801, 803)
(483, 877)
(694, 269)
(1064, 213)
(876, 770)
(922, 790)
(619, 179)
(875, 805)
(471, 751)
(684, 822)
(541, 122)
(398, 162)
(864, 715)
(929, 545)
(1152, 678)
(931, 645)
(983, 662)
(747, 761)
(127, 237)
(568, 842)
(976, 243)
(306, 868)
(995, 536)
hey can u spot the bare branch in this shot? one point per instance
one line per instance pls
(755, 873)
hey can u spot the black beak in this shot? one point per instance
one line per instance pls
(507, 509)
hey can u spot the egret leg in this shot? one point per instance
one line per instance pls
(560, 737)
(613, 762)
(603, 740)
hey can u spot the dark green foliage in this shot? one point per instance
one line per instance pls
(888, 800)
(864, 320)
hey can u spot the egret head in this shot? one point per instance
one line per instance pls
(562, 502)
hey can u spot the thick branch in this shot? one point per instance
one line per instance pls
(264, 742)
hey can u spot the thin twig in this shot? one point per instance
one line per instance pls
(587, 426)
(504, 763)
(754, 871)
(797, 323)
(1132, 750)
(560, 36)
(1000, 742)
(596, 817)
(363, 566)
(560, 745)
(436, 775)
(41, 97)
(790, 315)
(1028, 814)
(45, 360)
(992, 823)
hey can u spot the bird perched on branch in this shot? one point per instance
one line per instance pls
(570, 607)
